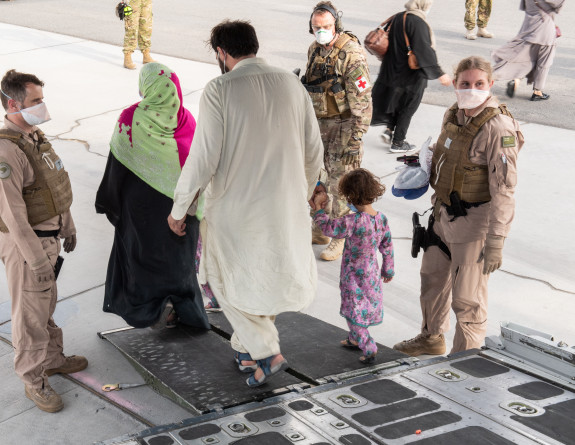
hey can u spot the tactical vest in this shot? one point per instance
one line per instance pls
(451, 169)
(324, 79)
(51, 193)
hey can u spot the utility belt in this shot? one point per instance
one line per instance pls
(459, 207)
(424, 238)
(47, 233)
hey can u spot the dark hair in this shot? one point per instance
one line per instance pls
(361, 187)
(14, 85)
(238, 38)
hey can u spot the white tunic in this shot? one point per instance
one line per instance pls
(257, 152)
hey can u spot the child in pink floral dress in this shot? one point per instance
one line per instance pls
(365, 232)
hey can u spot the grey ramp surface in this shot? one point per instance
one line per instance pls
(557, 421)
(197, 366)
(312, 346)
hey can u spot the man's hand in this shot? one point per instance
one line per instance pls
(319, 201)
(44, 273)
(177, 225)
(319, 188)
(493, 253)
(69, 243)
(351, 154)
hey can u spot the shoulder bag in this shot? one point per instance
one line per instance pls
(411, 59)
(377, 41)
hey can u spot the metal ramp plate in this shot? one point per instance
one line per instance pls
(196, 369)
(424, 403)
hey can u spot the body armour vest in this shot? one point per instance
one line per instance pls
(51, 193)
(451, 169)
(324, 79)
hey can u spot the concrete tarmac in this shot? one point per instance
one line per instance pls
(86, 87)
(181, 29)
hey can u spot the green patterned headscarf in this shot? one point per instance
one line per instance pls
(152, 138)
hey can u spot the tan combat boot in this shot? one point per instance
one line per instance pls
(73, 363)
(317, 237)
(470, 34)
(422, 344)
(128, 61)
(147, 57)
(45, 398)
(333, 251)
(482, 32)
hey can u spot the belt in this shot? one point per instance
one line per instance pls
(47, 233)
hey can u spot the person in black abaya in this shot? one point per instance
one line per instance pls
(398, 89)
(151, 279)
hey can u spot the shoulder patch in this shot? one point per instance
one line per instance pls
(356, 73)
(5, 170)
(508, 141)
(342, 54)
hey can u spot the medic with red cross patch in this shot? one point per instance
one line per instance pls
(337, 80)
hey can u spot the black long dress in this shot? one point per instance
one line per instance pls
(149, 264)
(398, 89)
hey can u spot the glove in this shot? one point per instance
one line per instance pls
(492, 253)
(44, 273)
(69, 243)
(351, 155)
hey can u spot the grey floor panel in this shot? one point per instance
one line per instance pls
(472, 435)
(557, 422)
(312, 346)
(536, 390)
(432, 402)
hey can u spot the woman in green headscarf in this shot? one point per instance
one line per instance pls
(151, 279)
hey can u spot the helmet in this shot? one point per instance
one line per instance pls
(123, 10)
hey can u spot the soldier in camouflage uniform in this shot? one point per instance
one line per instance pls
(138, 32)
(483, 9)
(337, 79)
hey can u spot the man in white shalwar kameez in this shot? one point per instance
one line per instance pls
(256, 157)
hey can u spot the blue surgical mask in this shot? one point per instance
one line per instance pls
(352, 208)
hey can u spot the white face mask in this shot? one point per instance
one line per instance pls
(323, 36)
(470, 99)
(36, 115)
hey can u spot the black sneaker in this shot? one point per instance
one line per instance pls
(402, 147)
(542, 96)
(387, 136)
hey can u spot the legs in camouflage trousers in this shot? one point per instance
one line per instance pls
(335, 135)
(138, 26)
(483, 13)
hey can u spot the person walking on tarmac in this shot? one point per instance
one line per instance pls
(138, 31)
(35, 199)
(473, 174)
(337, 79)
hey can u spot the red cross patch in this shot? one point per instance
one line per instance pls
(361, 84)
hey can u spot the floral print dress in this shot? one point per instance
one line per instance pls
(360, 279)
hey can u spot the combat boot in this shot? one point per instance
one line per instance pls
(147, 57)
(333, 251)
(45, 398)
(73, 363)
(482, 32)
(317, 237)
(422, 344)
(470, 34)
(128, 61)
